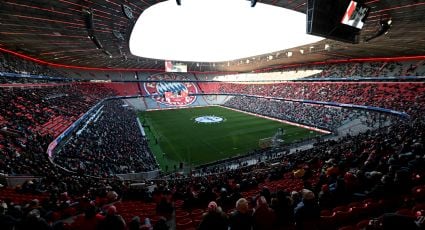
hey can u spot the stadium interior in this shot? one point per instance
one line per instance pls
(324, 136)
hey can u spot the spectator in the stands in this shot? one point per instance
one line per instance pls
(112, 221)
(7, 222)
(90, 220)
(161, 224)
(241, 218)
(34, 221)
(282, 207)
(134, 224)
(264, 217)
(307, 212)
(165, 208)
(326, 200)
(214, 218)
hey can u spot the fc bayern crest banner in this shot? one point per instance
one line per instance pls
(171, 89)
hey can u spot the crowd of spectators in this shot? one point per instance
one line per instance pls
(404, 97)
(382, 164)
(349, 70)
(23, 151)
(26, 80)
(112, 143)
(12, 64)
(321, 116)
(335, 71)
(24, 110)
(371, 69)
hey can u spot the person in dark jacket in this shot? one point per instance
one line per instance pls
(90, 220)
(264, 217)
(307, 212)
(112, 221)
(241, 219)
(7, 222)
(214, 219)
(34, 221)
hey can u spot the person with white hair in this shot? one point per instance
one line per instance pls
(241, 218)
(214, 219)
(307, 212)
(34, 221)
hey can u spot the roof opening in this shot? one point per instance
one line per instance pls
(216, 30)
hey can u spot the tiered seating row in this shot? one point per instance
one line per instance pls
(56, 125)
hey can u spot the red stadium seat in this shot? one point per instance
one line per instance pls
(184, 224)
(196, 213)
(418, 192)
(181, 215)
(347, 228)
(362, 224)
(328, 222)
(406, 212)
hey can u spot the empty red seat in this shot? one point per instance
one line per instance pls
(326, 212)
(181, 214)
(327, 222)
(419, 207)
(355, 205)
(184, 224)
(178, 203)
(196, 213)
(371, 209)
(347, 228)
(362, 224)
(418, 192)
(406, 212)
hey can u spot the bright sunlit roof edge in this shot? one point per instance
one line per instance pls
(216, 30)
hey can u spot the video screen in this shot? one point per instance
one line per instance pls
(355, 15)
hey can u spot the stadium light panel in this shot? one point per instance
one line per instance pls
(216, 30)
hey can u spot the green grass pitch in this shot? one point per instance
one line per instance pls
(175, 137)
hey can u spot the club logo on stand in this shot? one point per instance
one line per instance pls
(171, 89)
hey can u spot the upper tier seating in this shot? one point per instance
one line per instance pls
(406, 97)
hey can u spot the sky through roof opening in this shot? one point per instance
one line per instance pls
(216, 30)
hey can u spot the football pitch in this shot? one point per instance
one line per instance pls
(175, 136)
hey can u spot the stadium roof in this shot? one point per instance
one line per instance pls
(57, 32)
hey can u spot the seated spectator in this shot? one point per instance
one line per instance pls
(392, 221)
(264, 217)
(34, 221)
(241, 218)
(307, 212)
(161, 224)
(112, 221)
(282, 207)
(134, 224)
(165, 208)
(325, 198)
(7, 222)
(90, 220)
(384, 188)
(214, 219)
